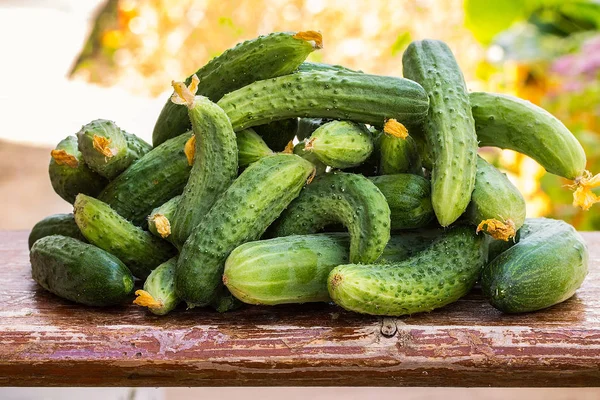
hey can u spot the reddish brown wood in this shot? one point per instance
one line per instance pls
(47, 341)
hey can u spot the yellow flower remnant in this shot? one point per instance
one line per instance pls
(102, 145)
(61, 157)
(183, 94)
(395, 128)
(583, 196)
(190, 149)
(311, 36)
(162, 224)
(499, 230)
(145, 299)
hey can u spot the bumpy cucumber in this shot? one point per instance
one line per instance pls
(57, 224)
(79, 272)
(397, 151)
(159, 220)
(449, 129)
(278, 134)
(242, 213)
(265, 57)
(341, 144)
(512, 123)
(300, 149)
(251, 147)
(68, 173)
(159, 289)
(215, 163)
(103, 227)
(370, 99)
(151, 181)
(136, 146)
(409, 199)
(306, 127)
(439, 275)
(545, 268)
(349, 199)
(497, 207)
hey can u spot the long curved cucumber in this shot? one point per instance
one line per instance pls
(370, 99)
(398, 152)
(349, 199)
(158, 294)
(264, 57)
(57, 224)
(251, 147)
(241, 214)
(449, 129)
(79, 272)
(439, 275)
(341, 144)
(139, 250)
(159, 220)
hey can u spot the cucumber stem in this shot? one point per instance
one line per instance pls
(311, 36)
(183, 94)
(61, 157)
(499, 230)
(583, 196)
(190, 149)
(395, 128)
(145, 299)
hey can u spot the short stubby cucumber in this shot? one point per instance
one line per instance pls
(449, 129)
(369, 99)
(439, 275)
(341, 144)
(251, 147)
(398, 152)
(150, 182)
(79, 272)
(300, 149)
(103, 227)
(497, 207)
(409, 199)
(158, 294)
(254, 200)
(159, 220)
(339, 197)
(68, 173)
(57, 224)
(264, 57)
(546, 267)
(215, 160)
(278, 134)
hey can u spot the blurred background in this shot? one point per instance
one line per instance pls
(67, 62)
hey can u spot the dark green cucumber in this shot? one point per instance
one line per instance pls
(68, 173)
(349, 199)
(79, 272)
(137, 146)
(264, 57)
(57, 224)
(370, 99)
(278, 134)
(300, 149)
(306, 127)
(150, 182)
(398, 153)
(449, 129)
(545, 268)
(439, 275)
(242, 213)
(497, 207)
(103, 227)
(159, 220)
(341, 144)
(159, 289)
(251, 147)
(409, 198)
(215, 163)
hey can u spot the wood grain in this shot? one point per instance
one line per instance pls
(47, 341)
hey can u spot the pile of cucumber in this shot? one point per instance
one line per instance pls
(382, 205)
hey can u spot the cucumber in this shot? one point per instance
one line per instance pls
(241, 214)
(79, 272)
(339, 197)
(439, 275)
(341, 144)
(151, 181)
(251, 147)
(265, 57)
(57, 224)
(136, 146)
(68, 173)
(294, 269)
(300, 149)
(159, 289)
(308, 66)
(215, 163)
(370, 99)
(159, 220)
(397, 151)
(409, 199)
(545, 268)
(306, 127)
(449, 129)
(497, 207)
(103, 227)
(278, 134)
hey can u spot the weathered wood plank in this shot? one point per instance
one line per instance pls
(47, 341)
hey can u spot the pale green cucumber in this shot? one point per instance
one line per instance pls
(159, 289)
(251, 147)
(341, 144)
(398, 155)
(159, 220)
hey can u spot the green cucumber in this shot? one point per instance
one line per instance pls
(264, 57)
(545, 268)
(57, 224)
(308, 66)
(159, 220)
(278, 134)
(103, 227)
(409, 199)
(241, 214)
(306, 127)
(339, 197)
(137, 146)
(215, 160)
(341, 144)
(79, 272)
(251, 147)
(151, 181)
(439, 275)
(159, 289)
(497, 207)
(300, 149)
(398, 152)
(68, 173)
(449, 129)
(370, 99)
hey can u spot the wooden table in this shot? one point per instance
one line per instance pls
(47, 341)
